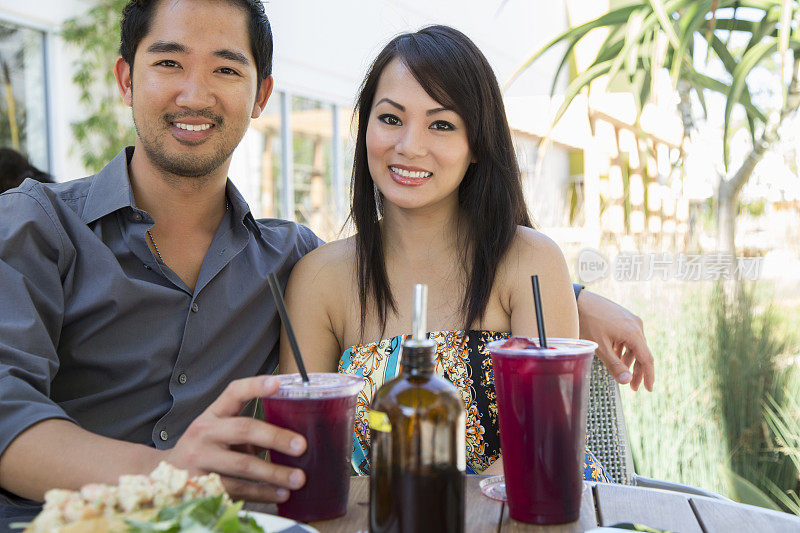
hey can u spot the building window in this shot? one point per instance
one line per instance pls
(312, 130)
(23, 95)
(270, 183)
(306, 162)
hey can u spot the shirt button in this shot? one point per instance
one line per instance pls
(195, 307)
(137, 217)
(182, 379)
(148, 267)
(163, 435)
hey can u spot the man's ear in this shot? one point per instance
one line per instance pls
(264, 91)
(122, 71)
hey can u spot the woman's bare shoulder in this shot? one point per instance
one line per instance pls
(530, 252)
(329, 262)
(531, 245)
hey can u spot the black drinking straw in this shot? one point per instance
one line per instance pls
(278, 296)
(537, 304)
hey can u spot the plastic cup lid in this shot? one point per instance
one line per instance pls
(556, 347)
(320, 385)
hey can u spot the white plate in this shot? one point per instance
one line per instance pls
(272, 523)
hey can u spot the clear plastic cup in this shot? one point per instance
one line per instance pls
(322, 411)
(542, 396)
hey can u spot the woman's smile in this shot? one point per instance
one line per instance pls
(412, 176)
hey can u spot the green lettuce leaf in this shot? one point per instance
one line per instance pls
(201, 515)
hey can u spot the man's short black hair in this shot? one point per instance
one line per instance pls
(15, 167)
(137, 17)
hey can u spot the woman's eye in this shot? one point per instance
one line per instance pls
(391, 120)
(442, 125)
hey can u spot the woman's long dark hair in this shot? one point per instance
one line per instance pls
(454, 72)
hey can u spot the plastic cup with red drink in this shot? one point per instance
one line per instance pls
(322, 411)
(542, 396)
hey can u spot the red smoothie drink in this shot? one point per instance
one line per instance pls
(322, 411)
(542, 396)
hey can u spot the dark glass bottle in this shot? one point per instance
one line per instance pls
(417, 456)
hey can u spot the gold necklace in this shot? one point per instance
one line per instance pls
(155, 246)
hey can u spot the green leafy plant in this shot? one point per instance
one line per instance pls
(13, 128)
(746, 346)
(646, 36)
(107, 126)
(747, 492)
(784, 424)
(199, 515)
(719, 359)
(675, 431)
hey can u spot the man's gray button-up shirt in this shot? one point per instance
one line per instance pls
(89, 335)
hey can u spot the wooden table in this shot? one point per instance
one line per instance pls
(603, 504)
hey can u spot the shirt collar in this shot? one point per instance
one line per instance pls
(240, 210)
(111, 190)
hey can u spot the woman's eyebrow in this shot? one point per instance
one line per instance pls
(391, 102)
(437, 110)
(402, 108)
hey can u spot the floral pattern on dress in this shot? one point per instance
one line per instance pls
(466, 363)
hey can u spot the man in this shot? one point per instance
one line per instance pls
(134, 305)
(139, 293)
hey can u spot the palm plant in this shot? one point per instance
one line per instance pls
(646, 36)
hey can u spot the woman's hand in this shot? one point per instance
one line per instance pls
(619, 335)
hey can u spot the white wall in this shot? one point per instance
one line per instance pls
(43, 12)
(323, 48)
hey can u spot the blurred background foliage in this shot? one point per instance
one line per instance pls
(724, 414)
(107, 125)
(683, 37)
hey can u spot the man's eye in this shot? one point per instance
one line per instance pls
(442, 125)
(167, 63)
(391, 120)
(228, 70)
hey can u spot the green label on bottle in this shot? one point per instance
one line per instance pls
(379, 421)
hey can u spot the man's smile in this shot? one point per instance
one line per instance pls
(192, 127)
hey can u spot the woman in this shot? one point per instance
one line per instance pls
(437, 200)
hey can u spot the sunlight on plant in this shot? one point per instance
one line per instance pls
(718, 361)
(784, 423)
(107, 126)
